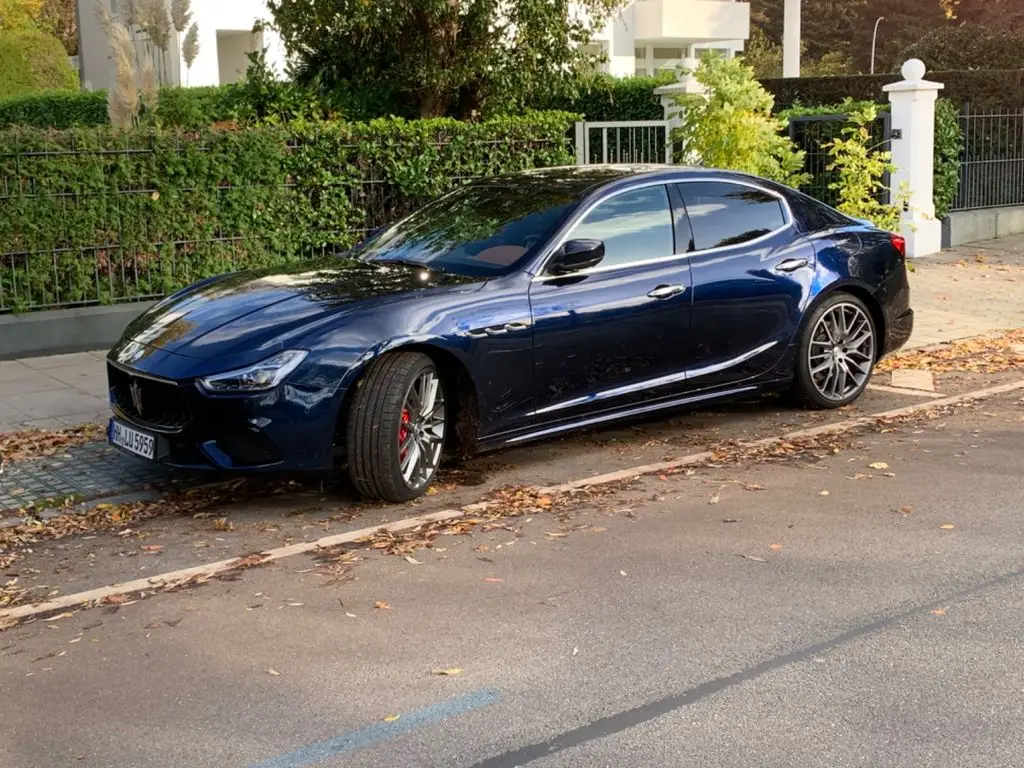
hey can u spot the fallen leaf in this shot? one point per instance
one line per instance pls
(350, 615)
(754, 558)
(939, 612)
(823, 493)
(890, 474)
(622, 573)
(152, 547)
(382, 605)
(274, 672)
(391, 718)
(223, 524)
(597, 529)
(753, 487)
(413, 560)
(555, 535)
(493, 580)
(947, 526)
(775, 547)
(732, 520)
(906, 510)
(450, 672)
(858, 476)
(575, 651)
(878, 465)
(295, 605)
(544, 502)
(716, 498)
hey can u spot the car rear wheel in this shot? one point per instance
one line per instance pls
(396, 427)
(838, 350)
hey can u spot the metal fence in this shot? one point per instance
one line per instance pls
(813, 133)
(626, 142)
(992, 162)
(113, 235)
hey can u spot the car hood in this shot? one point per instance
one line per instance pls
(259, 309)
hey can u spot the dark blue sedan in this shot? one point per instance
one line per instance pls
(510, 310)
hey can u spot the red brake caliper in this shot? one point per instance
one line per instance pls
(403, 432)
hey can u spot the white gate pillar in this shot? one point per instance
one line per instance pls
(913, 123)
(686, 84)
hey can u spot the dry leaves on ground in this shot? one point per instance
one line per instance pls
(983, 354)
(37, 443)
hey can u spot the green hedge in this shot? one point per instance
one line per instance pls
(611, 98)
(983, 89)
(191, 108)
(98, 216)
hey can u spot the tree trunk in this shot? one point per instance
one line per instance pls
(433, 104)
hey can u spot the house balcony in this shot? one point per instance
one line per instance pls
(691, 20)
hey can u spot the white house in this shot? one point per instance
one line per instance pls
(649, 36)
(225, 37)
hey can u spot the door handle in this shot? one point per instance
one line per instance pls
(666, 291)
(791, 265)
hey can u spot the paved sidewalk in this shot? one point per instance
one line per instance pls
(965, 291)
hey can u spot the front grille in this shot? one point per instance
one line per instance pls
(146, 401)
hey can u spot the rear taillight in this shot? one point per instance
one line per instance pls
(899, 243)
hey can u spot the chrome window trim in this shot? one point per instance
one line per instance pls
(540, 276)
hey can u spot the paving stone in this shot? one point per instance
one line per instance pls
(91, 471)
(910, 378)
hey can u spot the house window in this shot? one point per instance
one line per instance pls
(667, 58)
(640, 65)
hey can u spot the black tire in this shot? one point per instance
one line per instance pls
(805, 391)
(374, 424)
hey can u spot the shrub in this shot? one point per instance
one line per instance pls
(982, 89)
(55, 109)
(604, 97)
(949, 143)
(733, 127)
(862, 167)
(98, 215)
(30, 61)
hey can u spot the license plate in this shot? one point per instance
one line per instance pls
(132, 440)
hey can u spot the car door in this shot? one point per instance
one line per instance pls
(751, 271)
(616, 333)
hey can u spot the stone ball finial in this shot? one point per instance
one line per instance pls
(913, 69)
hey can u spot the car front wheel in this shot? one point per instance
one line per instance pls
(838, 350)
(396, 427)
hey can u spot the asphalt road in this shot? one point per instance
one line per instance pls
(814, 611)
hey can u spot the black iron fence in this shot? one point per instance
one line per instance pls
(992, 163)
(89, 219)
(813, 134)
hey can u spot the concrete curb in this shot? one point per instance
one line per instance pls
(175, 578)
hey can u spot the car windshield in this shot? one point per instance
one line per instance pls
(481, 230)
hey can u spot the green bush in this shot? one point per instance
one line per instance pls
(97, 215)
(190, 108)
(982, 89)
(55, 109)
(31, 60)
(604, 97)
(949, 143)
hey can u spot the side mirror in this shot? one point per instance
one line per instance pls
(576, 255)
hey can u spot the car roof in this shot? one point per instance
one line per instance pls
(582, 180)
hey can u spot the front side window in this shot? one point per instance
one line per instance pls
(724, 214)
(634, 226)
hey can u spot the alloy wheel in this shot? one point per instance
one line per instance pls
(421, 431)
(842, 351)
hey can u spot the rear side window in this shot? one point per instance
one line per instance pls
(723, 214)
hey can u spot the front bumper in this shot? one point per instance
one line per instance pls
(285, 429)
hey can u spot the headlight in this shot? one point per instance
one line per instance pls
(256, 378)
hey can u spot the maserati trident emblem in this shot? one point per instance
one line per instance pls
(136, 391)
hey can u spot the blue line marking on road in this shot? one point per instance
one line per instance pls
(374, 734)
